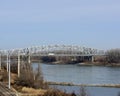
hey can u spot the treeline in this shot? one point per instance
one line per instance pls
(113, 56)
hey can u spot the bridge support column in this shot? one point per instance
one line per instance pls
(83, 58)
(92, 58)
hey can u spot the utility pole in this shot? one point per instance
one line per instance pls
(29, 53)
(19, 64)
(0, 61)
(7, 61)
(29, 59)
(9, 71)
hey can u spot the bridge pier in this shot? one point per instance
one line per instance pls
(92, 58)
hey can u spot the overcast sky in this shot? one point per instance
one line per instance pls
(91, 23)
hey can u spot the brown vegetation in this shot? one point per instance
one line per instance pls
(113, 56)
(3, 75)
(56, 92)
(36, 92)
(32, 79)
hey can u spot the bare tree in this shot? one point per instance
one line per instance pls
(113, 56)
(30, 78)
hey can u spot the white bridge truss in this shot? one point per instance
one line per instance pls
(56, 50)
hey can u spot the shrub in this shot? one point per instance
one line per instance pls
(56, 92)
(32, 79)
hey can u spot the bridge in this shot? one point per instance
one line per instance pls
(51, 50)
(56, 50)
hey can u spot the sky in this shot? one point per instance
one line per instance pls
(90, 23)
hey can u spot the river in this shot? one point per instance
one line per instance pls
(83, 75)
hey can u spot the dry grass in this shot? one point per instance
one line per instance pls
(13, 77)
(33, 91)
(56, 92)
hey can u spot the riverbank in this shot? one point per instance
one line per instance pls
(99, 64)
(17, 90)
(84, 85)
(85, 64)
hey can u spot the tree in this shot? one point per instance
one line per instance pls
(28, 77)
(113, 56)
